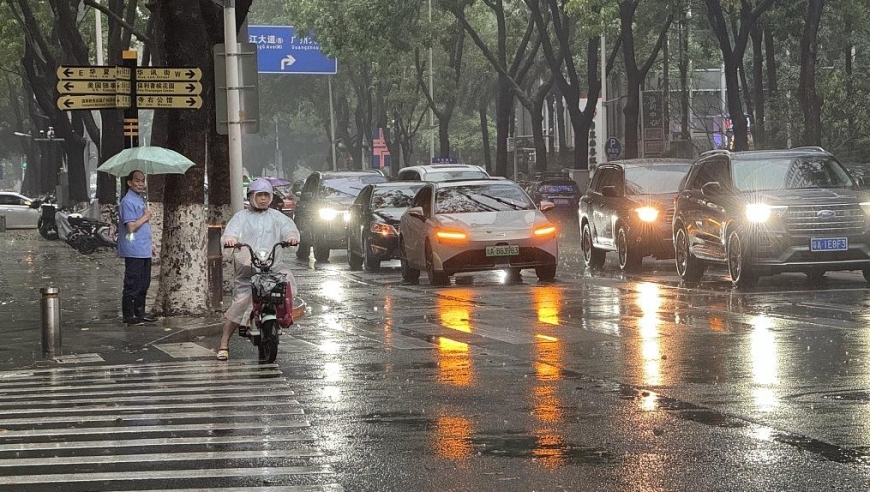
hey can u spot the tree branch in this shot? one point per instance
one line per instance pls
(139, 34)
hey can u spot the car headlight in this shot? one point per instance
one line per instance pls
(760, 213)
(545, 231)
(331, 214)
(383, 229)
(865, 206)
(647, 214)
(445, 235)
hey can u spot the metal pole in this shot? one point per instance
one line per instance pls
(234, 123)
(50, 308)
(431, 95)
(98, 24)
(332, 124)
(2, 223)
(516, 149)
(602, 130)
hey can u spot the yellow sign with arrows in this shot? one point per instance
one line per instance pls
(168, 73)
(93, 102)
(171, 87)
(169, 102)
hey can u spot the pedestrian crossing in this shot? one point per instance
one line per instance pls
(182, 425)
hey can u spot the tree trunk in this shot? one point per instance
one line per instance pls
(807, 95)
(484, 131)
(503, 112)
(685, 120)
(759, 130)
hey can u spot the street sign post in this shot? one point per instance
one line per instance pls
(613, 148)
(280, 51)
(170, 88)
(168, 102)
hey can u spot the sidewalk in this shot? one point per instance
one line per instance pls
(90, 293)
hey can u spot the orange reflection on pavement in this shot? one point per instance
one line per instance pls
(550, 449)
(548, 407)
(454, 363)
(452, 437)
(547, 300)
(456, 312)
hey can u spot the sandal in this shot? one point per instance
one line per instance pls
(223, 354)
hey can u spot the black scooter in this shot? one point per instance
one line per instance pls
(46, 224)
(88, 235)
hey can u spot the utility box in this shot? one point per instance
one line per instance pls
(215, 267)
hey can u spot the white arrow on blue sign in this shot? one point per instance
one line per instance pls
(280, 51)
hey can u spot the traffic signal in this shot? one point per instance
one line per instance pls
(592, 145)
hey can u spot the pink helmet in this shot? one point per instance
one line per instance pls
(260, 185)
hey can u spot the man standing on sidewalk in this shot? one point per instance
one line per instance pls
(134, 245)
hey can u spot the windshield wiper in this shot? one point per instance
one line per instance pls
(506, 202)
(475, 200)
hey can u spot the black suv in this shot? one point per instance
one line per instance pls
(766, 212)
(322, 209)
(628, 209)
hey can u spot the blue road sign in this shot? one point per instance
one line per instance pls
(280, 51)
(612, 148)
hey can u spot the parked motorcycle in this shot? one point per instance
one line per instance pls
(83, 234)
(272, 303)
(46, 224)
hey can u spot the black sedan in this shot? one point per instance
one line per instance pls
(628, 209)
(563, 192)
(373, 227)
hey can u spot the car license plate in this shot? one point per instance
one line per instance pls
(562, 201)
(829, 244)
(509, 250)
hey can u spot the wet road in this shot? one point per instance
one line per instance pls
(598, 381)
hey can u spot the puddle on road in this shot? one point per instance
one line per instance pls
(531, 446)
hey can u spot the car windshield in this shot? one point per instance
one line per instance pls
(564, 186)
(789, 173)
(393, 197)
(654, 180)
(457, 174)
(495, 197)
(347, 186)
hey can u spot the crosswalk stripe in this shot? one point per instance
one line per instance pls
(290, 488)
(141, 429)
(157, 391)
(109, 400)
(182, 375)
(121, 418)
(163, 475)
(223, 366)
(8, 412)
(171, 441)
(145, 458)
(178, 383)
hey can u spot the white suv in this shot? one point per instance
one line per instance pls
(442, 172)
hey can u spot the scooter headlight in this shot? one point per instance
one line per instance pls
(328, 213)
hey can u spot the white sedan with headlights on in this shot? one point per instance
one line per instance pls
(470, 226)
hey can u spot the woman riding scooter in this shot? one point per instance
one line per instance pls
(260, 227)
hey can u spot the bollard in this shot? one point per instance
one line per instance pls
(50, 306)
(2, 223)
(215, 267)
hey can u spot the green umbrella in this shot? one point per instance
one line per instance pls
(149, 160)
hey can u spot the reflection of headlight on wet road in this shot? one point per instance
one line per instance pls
(330, 214)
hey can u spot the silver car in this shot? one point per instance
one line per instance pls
(16, 208)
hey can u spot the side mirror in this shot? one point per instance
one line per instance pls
(546, 206)
(712, 188)
(417, 212)
(610, 192)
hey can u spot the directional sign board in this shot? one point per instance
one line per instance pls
(280, 51)
(169, 102)
(169, 87)
(106, 87)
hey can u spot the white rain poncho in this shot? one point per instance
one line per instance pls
(261, 230)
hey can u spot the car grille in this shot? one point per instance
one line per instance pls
(476, 259)
(805, 220)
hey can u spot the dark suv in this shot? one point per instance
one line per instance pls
(766, 212)
(322, 209)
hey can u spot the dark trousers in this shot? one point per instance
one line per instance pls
(137, 279)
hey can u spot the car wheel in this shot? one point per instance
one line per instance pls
(321, 252)
(354, 260)
(689, 268)
(546, 273)
(592, 256)
(629, 259)
(435, 277)
(373, 264)
(408, 274)
(303, 250)
(739, 262)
